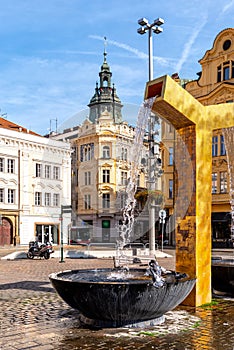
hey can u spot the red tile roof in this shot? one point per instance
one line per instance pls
(6, 124)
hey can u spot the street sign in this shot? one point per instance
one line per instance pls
(162, 214)
(66, 208)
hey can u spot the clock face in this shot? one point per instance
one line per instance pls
(227, 44)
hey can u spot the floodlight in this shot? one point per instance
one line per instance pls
(143, 21)
(141, 30)
(158, 22)
(157, 30)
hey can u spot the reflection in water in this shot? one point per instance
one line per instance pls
(208, 328)
(228, 134)
(203, 338)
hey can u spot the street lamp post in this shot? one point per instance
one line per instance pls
(154, 27)
(147, 27)
(64, 209)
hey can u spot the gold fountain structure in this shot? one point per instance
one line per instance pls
(194, 124)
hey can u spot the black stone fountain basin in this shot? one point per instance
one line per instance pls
(223, 275)
(119, 301)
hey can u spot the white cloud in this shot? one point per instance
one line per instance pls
(227, 6)
(189, 44)
(133, 50)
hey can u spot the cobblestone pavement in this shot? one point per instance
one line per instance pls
(34, 317)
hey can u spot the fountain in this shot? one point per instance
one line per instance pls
(112, 298)
(124, 296)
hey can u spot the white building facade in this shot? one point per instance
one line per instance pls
(35, 183)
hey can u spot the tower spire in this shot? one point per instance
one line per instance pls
(105, 45)
(105, 97)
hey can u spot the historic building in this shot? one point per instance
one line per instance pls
(215, 85)
(34, 184)
(101, 161)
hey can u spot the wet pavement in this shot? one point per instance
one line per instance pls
(33, 316)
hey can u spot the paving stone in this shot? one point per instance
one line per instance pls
(34, 316)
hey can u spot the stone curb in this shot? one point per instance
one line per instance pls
(76, 254)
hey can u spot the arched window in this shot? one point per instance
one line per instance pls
(106, 152)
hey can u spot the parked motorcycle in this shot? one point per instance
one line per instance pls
(41, 251)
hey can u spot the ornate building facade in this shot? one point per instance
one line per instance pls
(34, 183)
(101, 167)
(215, 85)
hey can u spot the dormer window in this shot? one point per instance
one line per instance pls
(225, 71)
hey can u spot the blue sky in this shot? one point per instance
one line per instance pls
(51, 51)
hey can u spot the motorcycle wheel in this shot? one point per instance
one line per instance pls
(30, 255)
(47, 255)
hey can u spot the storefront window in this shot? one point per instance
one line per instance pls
(47, 233)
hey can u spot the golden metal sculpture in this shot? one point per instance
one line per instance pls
(194, 124)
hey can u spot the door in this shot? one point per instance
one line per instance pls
(105, 231)
(6, 236)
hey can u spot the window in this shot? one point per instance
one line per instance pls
(47, 171)
(87, 201)
(214, 182)
(106, 152)
(1, 195)
(55, 199)
(38, 197)
(38, 170)
(222, 146)
(106, 200)
(56, 172)
(1, 164)
(106, 176)
(124, 153)
(11, 196)
(87, 178)
(223, 182)
(171, 153)
(10, 165)
(123, 198)
(170, 194)
(225, 71)
(47, 199)
(124, 178)
(86, 152)
(214, 146)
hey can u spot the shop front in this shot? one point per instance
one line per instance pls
(47, 233)
(221, 230)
